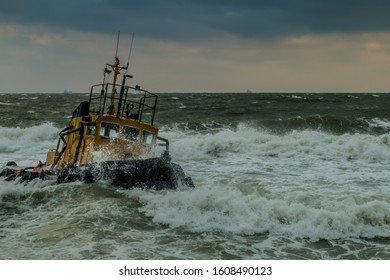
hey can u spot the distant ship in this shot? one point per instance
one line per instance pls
(67, 91)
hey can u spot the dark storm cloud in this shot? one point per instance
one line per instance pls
(202, 19)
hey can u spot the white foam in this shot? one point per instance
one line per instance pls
(27, 145)
(246, 140)
(303, 184)
(6, 104)
(379, 123)
(249, 180)
(225, 209)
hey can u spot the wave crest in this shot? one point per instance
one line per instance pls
(27, 145)
(252, 141)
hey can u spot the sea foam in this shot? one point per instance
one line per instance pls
(308, 184)
(27, 145)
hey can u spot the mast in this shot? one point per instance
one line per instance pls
(116, 68)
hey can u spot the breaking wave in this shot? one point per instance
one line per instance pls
(224, 209)
(303, 184)
(252, 141)
(249, 180)
(27, 145)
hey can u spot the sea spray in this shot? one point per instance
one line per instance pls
(27, 146)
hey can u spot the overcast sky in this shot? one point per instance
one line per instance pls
(197, 45)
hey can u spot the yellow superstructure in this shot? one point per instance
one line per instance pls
(98, 131)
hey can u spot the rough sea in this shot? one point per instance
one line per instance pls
(277, 175)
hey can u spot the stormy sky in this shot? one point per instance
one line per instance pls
(198, 45)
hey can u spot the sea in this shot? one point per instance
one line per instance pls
(278, 176)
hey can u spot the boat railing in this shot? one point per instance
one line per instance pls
(131, 102)
(163, 142)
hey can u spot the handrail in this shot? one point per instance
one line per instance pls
(63, 133)
(166, 143)
(143, 100)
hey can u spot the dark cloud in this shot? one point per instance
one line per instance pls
(202, 19)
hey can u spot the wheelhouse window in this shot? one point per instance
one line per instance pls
(131, 133)
(110, 130)
(91, 130)
(147, 137)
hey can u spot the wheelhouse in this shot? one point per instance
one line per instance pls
(116, 126)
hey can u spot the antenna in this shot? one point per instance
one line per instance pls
(117, 45)
(131, 48)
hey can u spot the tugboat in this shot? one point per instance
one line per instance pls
(110, 137)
